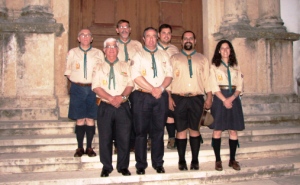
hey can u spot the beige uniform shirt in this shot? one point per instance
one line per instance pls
(122, 78)
(170, 49)
(142, 66)
(132, 47)
(75, 64)
(182, 83)
(219, 76)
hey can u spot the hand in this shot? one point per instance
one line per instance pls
(227, 103)
(171, 103)
(116, 101)
(156, 92)
(207, 104)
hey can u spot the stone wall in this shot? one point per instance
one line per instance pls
(29, 48)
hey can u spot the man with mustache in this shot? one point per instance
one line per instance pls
(127, 49)
(189, 85)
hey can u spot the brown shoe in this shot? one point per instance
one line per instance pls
(79, 152)
(218, 166)
(235, 165)
(90, 152)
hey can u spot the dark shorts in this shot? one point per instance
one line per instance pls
(187, 112)
(227, 119)
(82, 102)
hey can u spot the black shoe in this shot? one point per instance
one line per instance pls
(182, 166)
(140, 171)
(194, 166)
(104, 173)
(125, 172)
(160, 169)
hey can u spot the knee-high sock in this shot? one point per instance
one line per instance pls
(181, 148)
(171, 130)
(232, 145)
(216, 144)
(80, 132)
(90, 132)
(195, 147)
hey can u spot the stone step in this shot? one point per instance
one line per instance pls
(66, 126)
(251, 169)
(64, 160)
(40, 143)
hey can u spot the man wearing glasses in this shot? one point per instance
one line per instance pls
(127, 49)
(112, 84)
(79, 68)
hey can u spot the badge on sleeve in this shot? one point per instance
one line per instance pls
(144, 72)
(104, 82)
(77, 66)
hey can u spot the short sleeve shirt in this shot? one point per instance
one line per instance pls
(219, 76)
(122, 77)
(182, 81)
(142, 66)
(132, 47)
(170, 49)
(75, 64)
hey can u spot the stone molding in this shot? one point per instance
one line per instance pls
(41, 28)
(244, 31)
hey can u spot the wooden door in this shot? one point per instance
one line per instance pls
(101, 17)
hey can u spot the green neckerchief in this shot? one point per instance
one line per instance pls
(84, 60)
(153, 61)
(111, 72)
(229, 76)
(125, 48)
(164, 48)
(189, 57)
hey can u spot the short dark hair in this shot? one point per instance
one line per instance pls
(217, 58)
(122, 21)
(164, 26)
(149, 28)
(188, 31)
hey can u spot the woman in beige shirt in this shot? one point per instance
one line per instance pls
(226, 82)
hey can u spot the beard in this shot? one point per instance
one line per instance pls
(188, 46)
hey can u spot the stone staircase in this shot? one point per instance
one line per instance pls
(41, 152)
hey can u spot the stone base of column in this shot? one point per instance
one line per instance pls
(36, 14)
(274, 24)
(3, 14)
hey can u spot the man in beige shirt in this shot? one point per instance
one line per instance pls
(79, 67)
(127, 46)
(152, 73)
(112, 84)
(189, 85)
(164, 43)
(127, 49)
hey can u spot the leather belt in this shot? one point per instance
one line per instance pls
(99, 100)
(187, 94)
(145, 91)
(83, 85)
(226, 87)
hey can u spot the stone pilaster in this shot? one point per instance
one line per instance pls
(269, 15)
(3, 11)
(235, 15)
(37, 11)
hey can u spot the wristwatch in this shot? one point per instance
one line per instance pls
(124, 98)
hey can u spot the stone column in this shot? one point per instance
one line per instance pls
(37, 11)
(235, 14)
(269, 15)
(3, 11)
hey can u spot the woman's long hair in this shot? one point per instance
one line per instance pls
(217, 58)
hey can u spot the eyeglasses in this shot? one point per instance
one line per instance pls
(85, 35)
(111, 47)
(123, 27)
